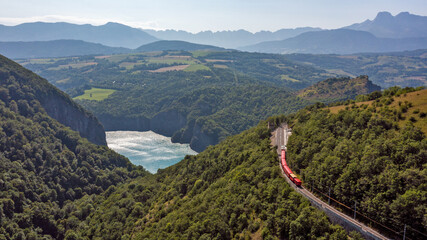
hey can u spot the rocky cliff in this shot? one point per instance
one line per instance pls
(57, 104)
(169, 123)
(72, 115)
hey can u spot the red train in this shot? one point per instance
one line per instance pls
(287, 170)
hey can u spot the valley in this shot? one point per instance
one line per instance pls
(115, 124)
(183, 95)
(203, 90)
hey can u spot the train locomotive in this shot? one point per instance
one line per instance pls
(287, 170)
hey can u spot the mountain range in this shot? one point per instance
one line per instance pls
(56, 48)
(176, 45)
(339, 41)
(229, 39)
(385, 33)
(403, 25)
(110, 34)
(69, 48)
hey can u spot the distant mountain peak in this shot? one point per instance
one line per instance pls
(403, 25)
(403, 14)
(178, 45)
(228, 38)
(383, 15)
(115, 24)
(110, 34)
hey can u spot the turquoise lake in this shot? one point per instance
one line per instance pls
(148, 149)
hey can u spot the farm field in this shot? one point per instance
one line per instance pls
(97, 94)
(172, 68)
(196, 67)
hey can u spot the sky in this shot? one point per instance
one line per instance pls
(202, 15)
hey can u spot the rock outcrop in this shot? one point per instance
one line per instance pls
(72, 115)
(338, 89)
(56, 103)
(168, 123)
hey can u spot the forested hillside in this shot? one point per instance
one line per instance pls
(373, 153)
(20, 81)
(197, 98)
(233, 190)
(56, 185)
(211, 95)
(44, 166)
(338, 89)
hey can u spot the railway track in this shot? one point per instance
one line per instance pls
(280, 138)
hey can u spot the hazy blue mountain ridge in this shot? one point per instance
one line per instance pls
(386, 33)
(176, 45)
(56, 48)
(403, 25)
(229, 39)
(339, 41)
(68, 48)
(110, 34)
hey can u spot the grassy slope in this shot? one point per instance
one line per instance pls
(419, 104)
(97, 94)
(196, 67)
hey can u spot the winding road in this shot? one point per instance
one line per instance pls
(279, 139)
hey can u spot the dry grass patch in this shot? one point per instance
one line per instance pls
(218, 60)
(172, 68)
(74, 65)
(415, 113)
(220, 66)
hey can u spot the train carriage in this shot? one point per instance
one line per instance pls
(287, 170)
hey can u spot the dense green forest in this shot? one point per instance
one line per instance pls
(374, 153)
(56, 185)
(233, 190)
(45, 166)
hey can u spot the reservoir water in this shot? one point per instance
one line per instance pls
(148, 149)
